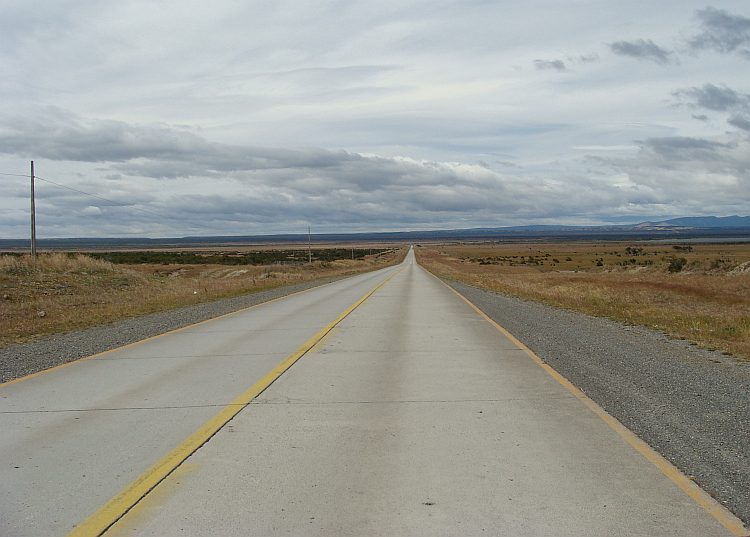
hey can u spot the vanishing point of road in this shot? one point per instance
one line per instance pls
(383, 404)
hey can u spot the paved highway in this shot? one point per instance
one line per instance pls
(399, 410)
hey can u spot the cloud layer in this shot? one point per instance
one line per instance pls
(355, 117)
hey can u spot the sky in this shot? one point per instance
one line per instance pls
(235, 117)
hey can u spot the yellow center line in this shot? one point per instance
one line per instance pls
(705, 500)
(66, 364)
(116, 508)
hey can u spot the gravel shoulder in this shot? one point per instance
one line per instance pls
(691, 405)
(26, 359)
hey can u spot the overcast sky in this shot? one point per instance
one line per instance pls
(235, 117)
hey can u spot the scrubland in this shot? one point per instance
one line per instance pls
(698, 292)
(62, 292)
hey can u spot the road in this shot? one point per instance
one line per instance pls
(381, 404)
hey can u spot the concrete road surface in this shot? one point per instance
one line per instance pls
(74, 437)
(411, 415)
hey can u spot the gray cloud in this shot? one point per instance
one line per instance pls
(692, 174)
(722, 32)
(557, 65)
(643, 50)
(155, 150)
(277, 91)
(684, 148)
(242, 189)
(715, 98)
(740, 122)
(593, 57)
(507, 164)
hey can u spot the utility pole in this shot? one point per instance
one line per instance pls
(309, 246)
(33, 216)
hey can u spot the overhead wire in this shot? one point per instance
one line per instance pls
(192, 224)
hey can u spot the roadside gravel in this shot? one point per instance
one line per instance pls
(26, 359)
(690, 404)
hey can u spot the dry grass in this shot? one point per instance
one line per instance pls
(705, 302)
(60, 293)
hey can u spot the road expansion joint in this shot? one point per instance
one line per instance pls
(119, 409)
(403, 401)
(177, 357)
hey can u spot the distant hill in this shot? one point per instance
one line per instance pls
(687, 221)
(692, 227)
(710, 221)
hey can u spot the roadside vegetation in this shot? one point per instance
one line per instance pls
(253, 257)
(63, 292)
(698, 292)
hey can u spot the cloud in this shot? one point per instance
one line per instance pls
(643, 50)
(719, 99)
(593, 57)
(683, 148)
(722, 32)
(690, 171)
(231, 189)
(715, 98)
(56, 134)
(154, 150)
(557, 65)
(409, 95)
(91, 210)
(507, 164)
(740, 122)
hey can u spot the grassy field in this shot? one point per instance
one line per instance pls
(62, 292)
(698, 292)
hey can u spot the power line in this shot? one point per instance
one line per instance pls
(193, 224)
(109, 200)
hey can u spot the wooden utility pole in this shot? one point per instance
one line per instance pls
(33, 216)
(309, 245)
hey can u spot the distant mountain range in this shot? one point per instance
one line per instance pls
(692, 227)
(687, 221)
(704, 221)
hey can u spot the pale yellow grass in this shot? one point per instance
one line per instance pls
(60, 293)
(711, 309)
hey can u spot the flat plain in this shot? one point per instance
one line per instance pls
(694, 291)
(61, 292)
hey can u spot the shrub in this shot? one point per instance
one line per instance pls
(676, 264)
